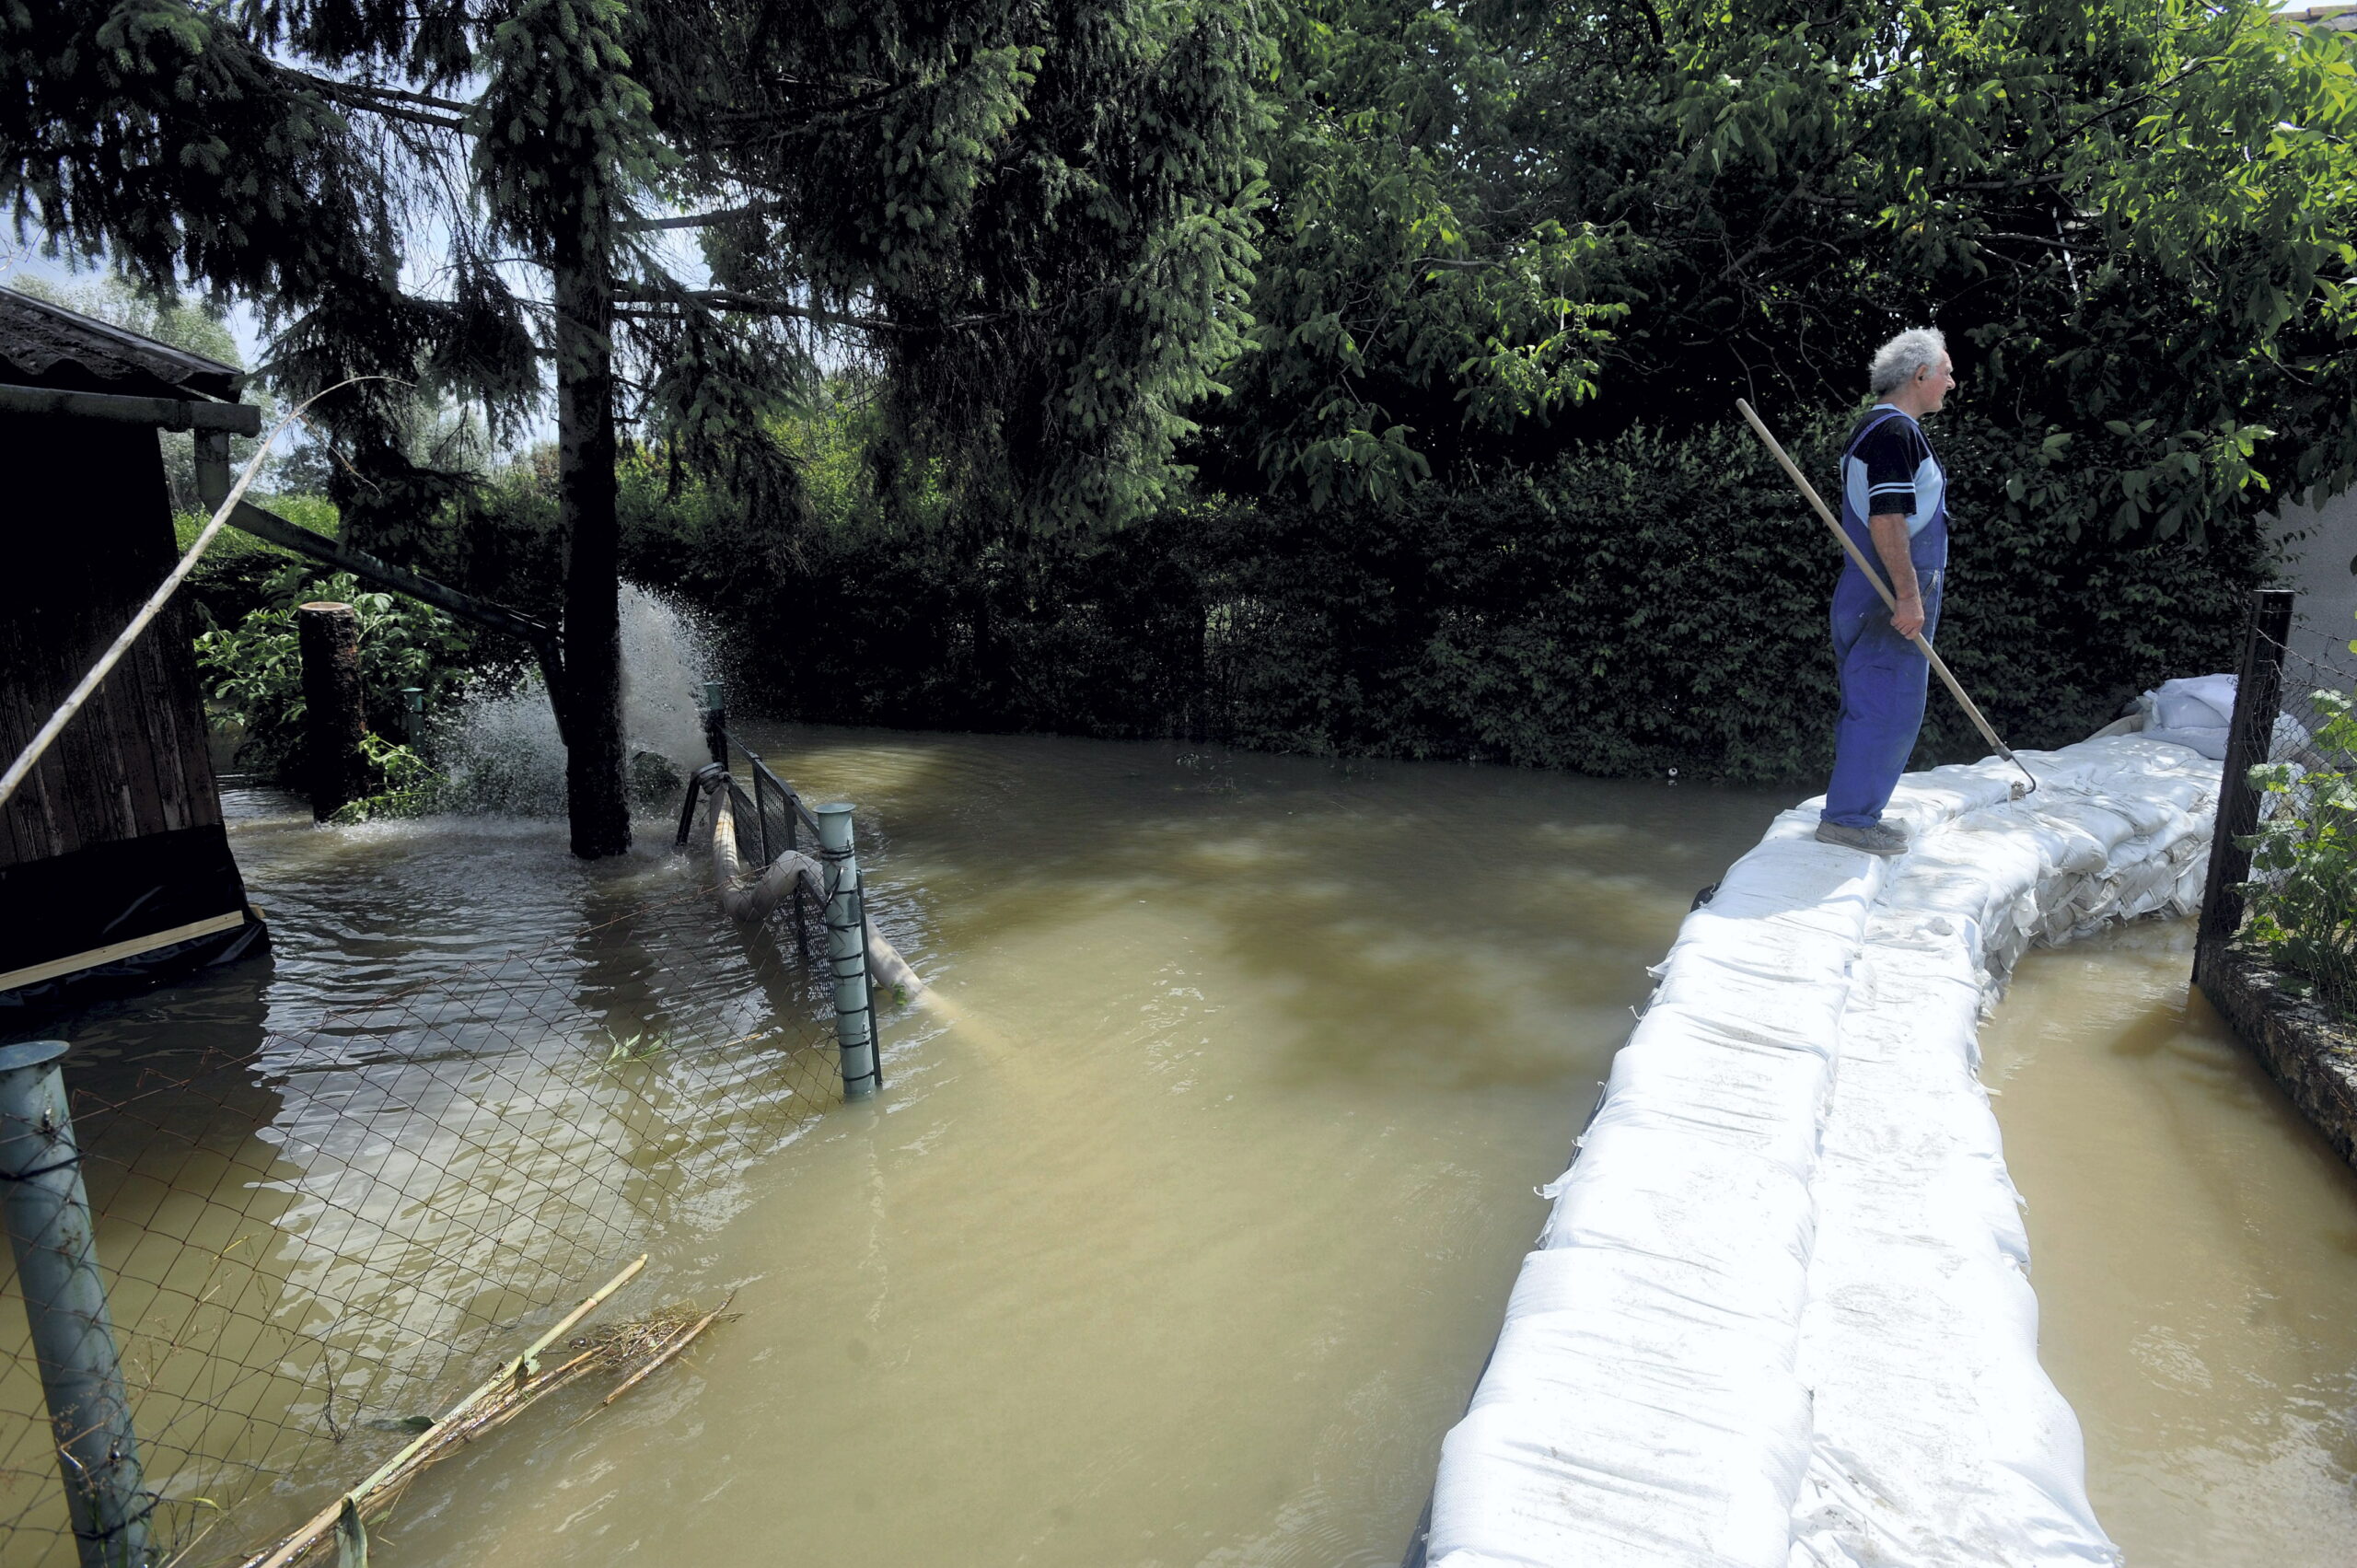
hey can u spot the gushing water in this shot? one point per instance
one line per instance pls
(665, 660)
(503, 754)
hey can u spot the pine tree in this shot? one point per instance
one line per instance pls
(1032, 216)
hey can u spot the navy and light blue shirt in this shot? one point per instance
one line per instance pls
(1888, 467)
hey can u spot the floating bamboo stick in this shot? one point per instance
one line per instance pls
(511, 1374)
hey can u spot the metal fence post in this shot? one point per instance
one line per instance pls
(48, 1216)
(867, 980)
(412, 713)
(847, 950)
(2259, 696)
(716, 723)
(793, 809)
(761, 809)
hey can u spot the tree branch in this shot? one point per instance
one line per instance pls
(2026, 183)
(646, 305)
(385, 101)
(649, 304)
(698, 220)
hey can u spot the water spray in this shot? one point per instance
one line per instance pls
(1971, 709)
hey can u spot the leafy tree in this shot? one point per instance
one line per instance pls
(1499, 227)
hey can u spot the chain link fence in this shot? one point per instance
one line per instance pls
(312, 1239)
(2283, 880)
(2300, 901)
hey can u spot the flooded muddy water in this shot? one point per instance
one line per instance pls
(1180, 1237)
(2193, 1243)
(1182, 1244)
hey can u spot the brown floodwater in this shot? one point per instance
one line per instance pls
(2193, 1243)
(1179, 1238)
(1184, 1242)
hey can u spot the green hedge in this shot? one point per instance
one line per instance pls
(1649, 603)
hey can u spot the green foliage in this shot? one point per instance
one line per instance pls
(238, 573)
(1430, 264)
(2303, 905)
(1043, 223)
(254, 672)
(407, 785)
(634, 1049)
(1499, 229)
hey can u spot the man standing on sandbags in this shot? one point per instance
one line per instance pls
(1894, 507)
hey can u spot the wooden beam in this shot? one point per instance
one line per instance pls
(35, 973)
(238, 419)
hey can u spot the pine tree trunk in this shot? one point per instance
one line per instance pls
(585, 489)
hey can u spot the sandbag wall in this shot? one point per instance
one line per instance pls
(1781, 1314)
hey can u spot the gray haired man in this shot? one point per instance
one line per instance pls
(1893, 507)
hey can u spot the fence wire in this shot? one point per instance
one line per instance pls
(314, 1240)
(2300, 904)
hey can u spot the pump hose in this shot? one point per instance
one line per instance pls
(750, 898)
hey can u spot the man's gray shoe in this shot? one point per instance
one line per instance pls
(1875, 839)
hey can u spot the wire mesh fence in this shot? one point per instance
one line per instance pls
(2299, 900)
(2283, 889)
(313, 1237)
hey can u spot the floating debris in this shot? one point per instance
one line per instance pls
(630, 1350)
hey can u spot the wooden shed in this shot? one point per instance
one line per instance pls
(115, 869)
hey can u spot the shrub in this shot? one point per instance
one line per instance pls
(2303, 905)
(239, 571)
(406, 784)
(1647, 602)
(255, 674)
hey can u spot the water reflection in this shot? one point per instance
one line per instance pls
(1193, 1252)
(2195, 1249)
(478, 1071)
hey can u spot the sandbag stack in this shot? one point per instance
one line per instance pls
(1780, 1315)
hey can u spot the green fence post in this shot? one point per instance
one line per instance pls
(847, 950)
(48, 1216)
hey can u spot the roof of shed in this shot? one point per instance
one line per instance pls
(47, 345)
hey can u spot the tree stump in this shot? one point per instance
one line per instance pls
(328, 637)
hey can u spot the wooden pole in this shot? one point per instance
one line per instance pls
(327, 635)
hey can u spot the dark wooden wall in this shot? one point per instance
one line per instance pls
(85, 535)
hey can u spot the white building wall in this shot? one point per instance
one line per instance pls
(2319, 542)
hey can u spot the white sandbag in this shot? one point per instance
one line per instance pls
(2195, 701)
(1780, 1315)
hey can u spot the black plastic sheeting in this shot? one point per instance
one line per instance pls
(107, 893)
(128, 977)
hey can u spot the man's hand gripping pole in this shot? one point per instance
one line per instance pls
(1972, 710)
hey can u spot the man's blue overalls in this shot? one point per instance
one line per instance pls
(1883, 675)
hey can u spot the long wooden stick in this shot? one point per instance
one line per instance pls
(321, 1523)
(1971, 709)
